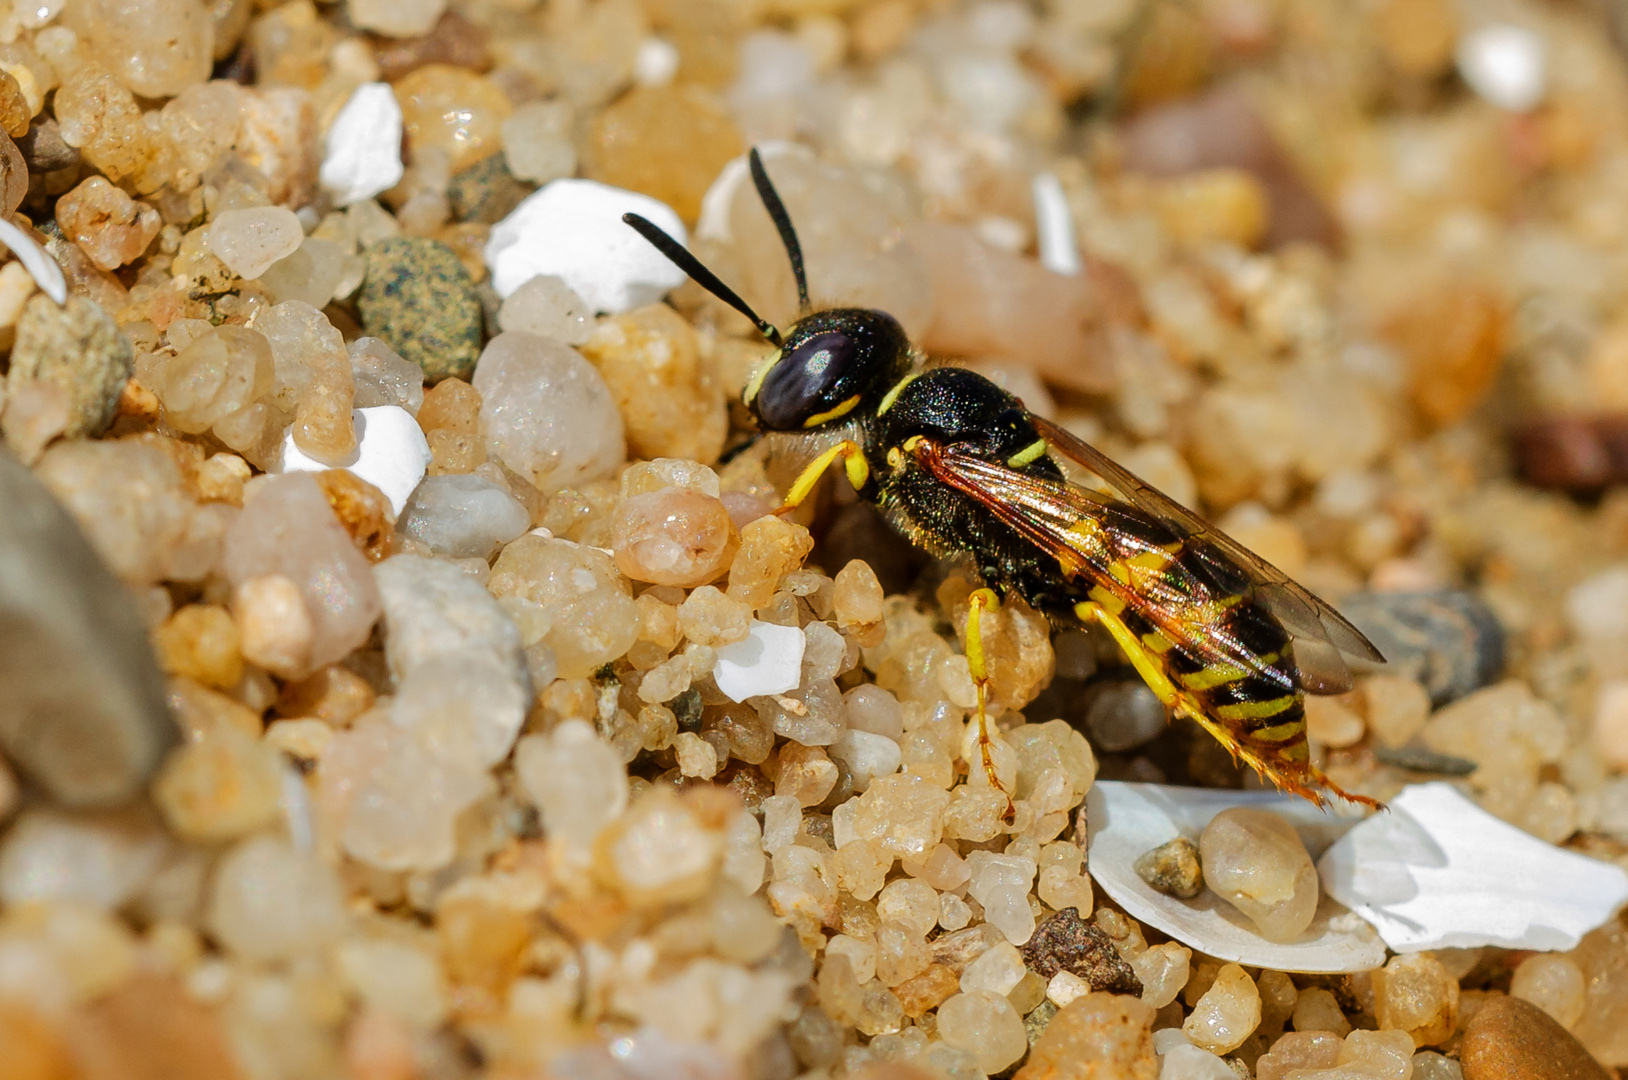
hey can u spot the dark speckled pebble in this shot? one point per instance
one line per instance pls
(419, 298)
(486, 191)
(1449, 640)
(1511, 1039)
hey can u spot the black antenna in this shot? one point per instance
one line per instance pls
(687, 262)
(782, 221)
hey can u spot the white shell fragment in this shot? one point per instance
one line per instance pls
(1438, 871)
(573, 229)
(363, 147)
(390, 453)
(1128, 820)
(39, 264)
(1054, 226)
(769, 660)
(1504, 64)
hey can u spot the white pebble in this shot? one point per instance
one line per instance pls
(868, 756)
(769, 660)
(250, 239)
(363, 147)
(1505, 64)
(390, 453)
(998, 970)
(1064, 987)
(1054, 226)
(655, 63)
(573, 229)
(1188, 1062)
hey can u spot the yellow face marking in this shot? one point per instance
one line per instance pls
(1255, 710)
(1028, 454)
(895, 458)
(893, 394)
(755, 383)
(1210, 677)
(841, 410)
(911, 443)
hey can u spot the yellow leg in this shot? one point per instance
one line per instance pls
(981, 599)
(853, 460)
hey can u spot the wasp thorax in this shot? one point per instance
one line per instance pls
(829, 363)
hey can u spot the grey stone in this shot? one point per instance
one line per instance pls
(462, 516)
(432, 609)
(83, 711)
(1447, 639)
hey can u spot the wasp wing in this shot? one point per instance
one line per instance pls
(1049, 513)
(1325, 632)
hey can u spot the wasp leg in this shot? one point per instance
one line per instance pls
(853, 461)
(981, 599)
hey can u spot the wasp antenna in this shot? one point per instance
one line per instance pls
(682, 258)
(782, 222)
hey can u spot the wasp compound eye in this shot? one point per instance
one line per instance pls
(811, 382)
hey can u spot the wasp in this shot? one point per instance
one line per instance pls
(961, 468)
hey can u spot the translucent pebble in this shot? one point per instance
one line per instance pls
(462, 516)
(95, 859)
(669, 400)
(866, 755)
(590, 616)
(219, 373)
(200, 642)
(770, 548)
(856, 600)
(1311, 1049)
(302, 341)
(452, 109)
(268, 902)
(100, 117)
(1064, 987)
(1163, 970)
(659, 851)
(313, 273)
(943, 869)
(860, 954)
(288, 529)
(645, 477)
(112, 228)
(695, 756)
(382, 377)
(577, 780)
(1415, 994)
(913, 905)
(1007, 910)
(157, 50)
(954, 913)
(986, 1026)
(1383, 1055)
(1432, 1066)
(905, 813)
(672, 537)
(1226, 1014)
(547, 307)
(1096, 1035)
(667, 142)
(1255, 861)
(1396, 707)
(395, 978)
(400, 20)
(221, 786)
(1317, 1009)
(998, 970)
(397, 794)
(249, 240)
(537, 142)
(546, 413)
(323, 427)
(275, 631)
(1331, 721)
(1553, 983)
(869, 708)
(709, 617)
(804, 773)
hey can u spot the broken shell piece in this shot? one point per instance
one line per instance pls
(40, 266)
(391, 453)
(1128, 820)
(1440, 872)
(769, 660)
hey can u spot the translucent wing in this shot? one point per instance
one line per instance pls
(1306, 617)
